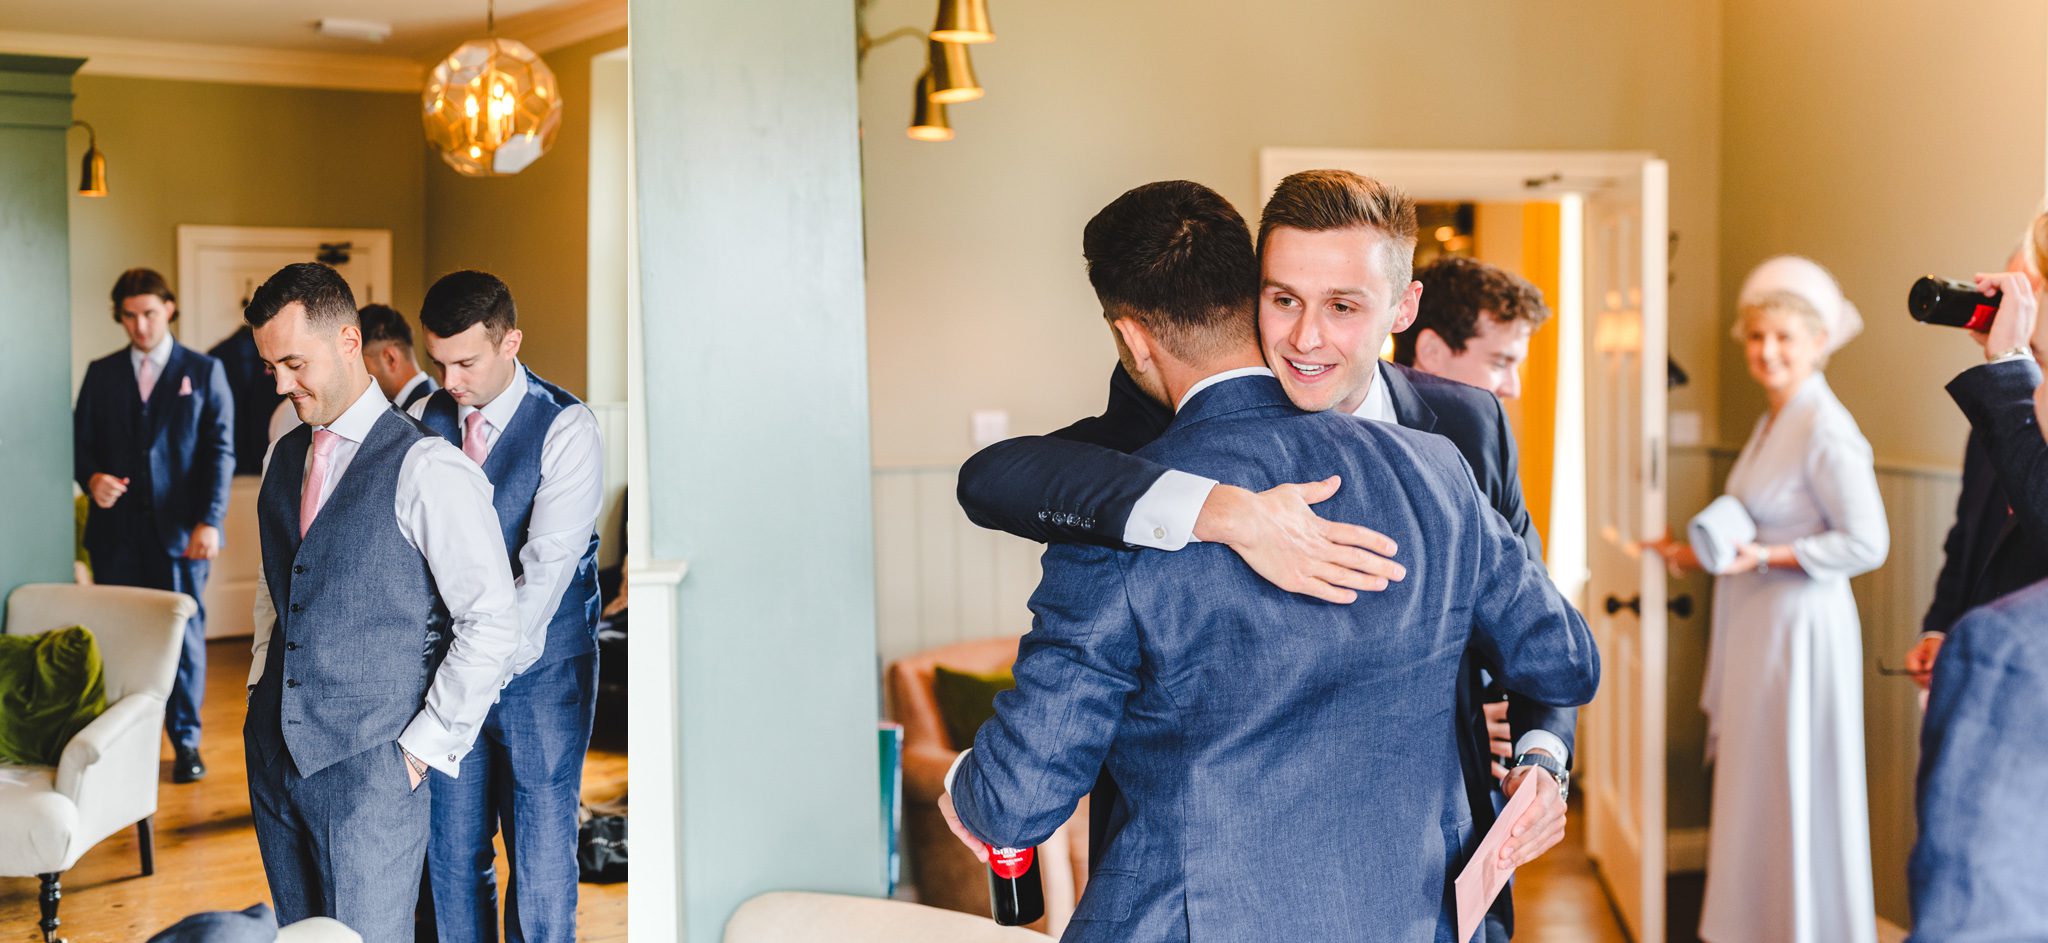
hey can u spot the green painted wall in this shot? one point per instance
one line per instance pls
(237, 155)
(531, 229)
(35, 428)
(754, 339)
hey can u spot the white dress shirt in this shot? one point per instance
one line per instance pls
(283, 419)
(1164, 519)
(444, 511)
(565, 507)
(159, 357)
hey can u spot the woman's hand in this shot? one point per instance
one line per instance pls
(1677, 554)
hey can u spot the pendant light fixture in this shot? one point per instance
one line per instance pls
(927, 117)
(92, 170)
(491, 107)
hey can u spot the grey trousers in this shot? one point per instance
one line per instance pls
(347, 842)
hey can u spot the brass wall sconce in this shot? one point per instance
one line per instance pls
(92, 170)
(948, 78)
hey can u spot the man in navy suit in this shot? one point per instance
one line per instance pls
(1976, 870)
(154, 448)
(387, 352)
(1999, 542)
(1288, 767)
(1318, 239)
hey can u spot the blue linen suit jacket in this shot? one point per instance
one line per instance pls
(1975, 873)
(181, 447)
(1289, 768)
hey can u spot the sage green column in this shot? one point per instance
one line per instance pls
(36, 519)
(755, 354)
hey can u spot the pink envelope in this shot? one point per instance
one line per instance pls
(1482, 878)
(184, 386)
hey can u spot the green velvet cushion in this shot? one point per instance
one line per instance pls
(967, 699)
(51, 686)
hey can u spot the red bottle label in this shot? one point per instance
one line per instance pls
(1981, 318)
(1009, 863)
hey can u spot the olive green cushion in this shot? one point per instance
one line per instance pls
(51, 686)
(967, 699)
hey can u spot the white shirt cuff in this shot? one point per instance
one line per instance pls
(1930, 633)
(1164, 519)
(950, 770)
(1546, 741)
(434, 745)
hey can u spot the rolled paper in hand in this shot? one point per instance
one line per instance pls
(1719, 532)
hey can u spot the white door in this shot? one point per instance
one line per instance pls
(1623, 295)
(218, 268)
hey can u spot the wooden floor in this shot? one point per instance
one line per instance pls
(206, 848)
(1558, 897)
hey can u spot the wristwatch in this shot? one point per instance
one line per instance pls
(1548, 764)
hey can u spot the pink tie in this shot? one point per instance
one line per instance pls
(316, 480)
(473, 437)
(145, 377)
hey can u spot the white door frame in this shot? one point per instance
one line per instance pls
(371, 245)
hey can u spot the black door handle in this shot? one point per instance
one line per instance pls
(1681, 606)
(1634, 604)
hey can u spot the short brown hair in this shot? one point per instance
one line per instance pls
(141, 281)
(1176, 256)
(1455, 290)
(1323, 200)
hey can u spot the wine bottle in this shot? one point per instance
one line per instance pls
(1951, 303)
(1016, 892)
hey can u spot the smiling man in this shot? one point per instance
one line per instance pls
(386, 621)
(1335, 254)
(153, 446)
(1473, 325)
(542, 451)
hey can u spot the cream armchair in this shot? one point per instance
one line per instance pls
(107, 777)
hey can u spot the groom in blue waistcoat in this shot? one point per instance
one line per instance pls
(542, 451)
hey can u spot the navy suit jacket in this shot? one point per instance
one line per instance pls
(178, 452)
(1075, 486)
(2006, 551)
(1287, 766)
(1975, 873)
(255, 394)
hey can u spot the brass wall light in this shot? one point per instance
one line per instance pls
(928, 117)
(952, 74)
(948, 78)
(963, 21)
(92, 171)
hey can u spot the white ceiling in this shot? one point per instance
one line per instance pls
(421, 29)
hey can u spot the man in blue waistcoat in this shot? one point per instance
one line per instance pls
(541, 449)
(386, 621)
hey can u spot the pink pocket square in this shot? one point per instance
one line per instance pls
(184, 386)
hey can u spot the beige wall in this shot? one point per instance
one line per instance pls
(976, 294)
(530, 229)
(233, 155)
(1897, 147)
